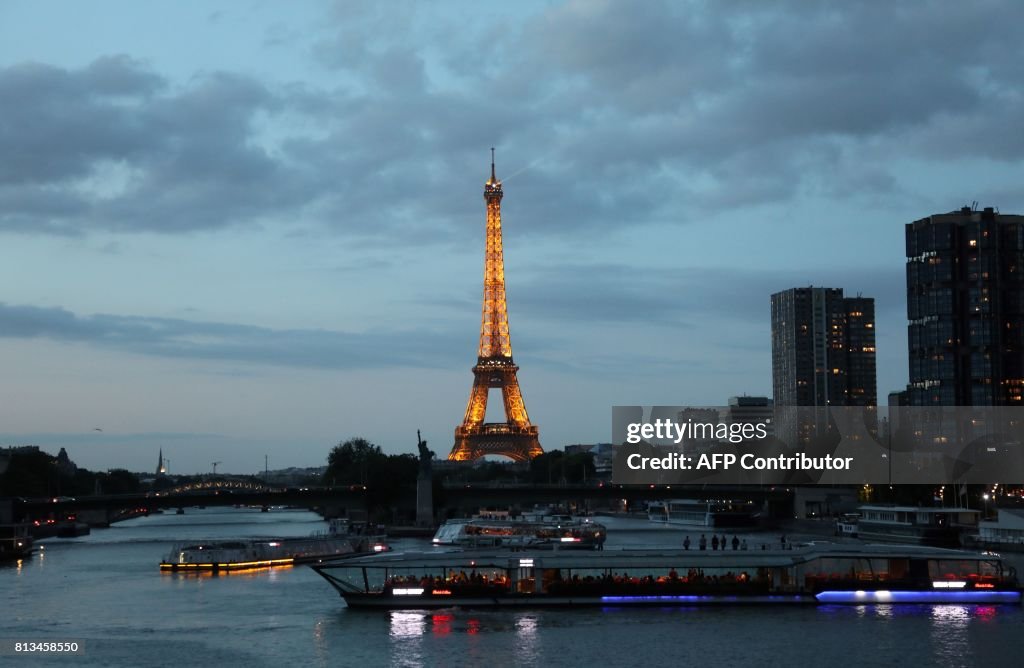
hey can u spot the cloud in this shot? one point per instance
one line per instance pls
(112, 146)
(226, 342)
(609, 115)
(674, 297)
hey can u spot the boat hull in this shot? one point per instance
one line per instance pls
(884, 597)
(378, 602)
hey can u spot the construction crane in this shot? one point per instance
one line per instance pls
(214, 464)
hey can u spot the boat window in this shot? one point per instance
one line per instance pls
(961, 569)
(898, 568)
(854, 569)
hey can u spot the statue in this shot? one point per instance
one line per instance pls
(426, 456)
(424, 485)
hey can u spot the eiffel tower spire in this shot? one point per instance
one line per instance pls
(516, 437)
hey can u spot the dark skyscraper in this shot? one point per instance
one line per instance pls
(965, 306)
(823, 351)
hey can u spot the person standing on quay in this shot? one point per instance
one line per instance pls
(703, 542)
(714, 542)
(686, 543)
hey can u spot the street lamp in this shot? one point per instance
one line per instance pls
(985, 499)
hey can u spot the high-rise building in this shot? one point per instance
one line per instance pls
(823, 348)
(752, 410)
(823, 352)
(965, 307)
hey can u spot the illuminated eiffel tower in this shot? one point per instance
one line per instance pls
(515, 437)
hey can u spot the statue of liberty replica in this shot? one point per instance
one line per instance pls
(424, 485)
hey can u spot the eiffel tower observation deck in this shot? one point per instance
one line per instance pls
(515, 438)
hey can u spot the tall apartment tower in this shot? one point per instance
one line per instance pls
(823, 352)
(823, 348)
(965, 307)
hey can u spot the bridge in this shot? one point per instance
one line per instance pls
(102, 509)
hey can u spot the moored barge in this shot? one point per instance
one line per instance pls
(817, 573)
(342, 540)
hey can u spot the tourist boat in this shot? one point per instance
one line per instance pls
(342, 539)
(703, 513)
(15, 542)
(498, 529)
(941, 527)
(815, 573)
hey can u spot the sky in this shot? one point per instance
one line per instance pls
(233, 230)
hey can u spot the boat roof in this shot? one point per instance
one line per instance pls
(918, 509)
(654, 558)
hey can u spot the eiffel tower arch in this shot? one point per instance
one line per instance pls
(515, 438)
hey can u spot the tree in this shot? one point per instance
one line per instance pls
(349, 463)
(557, 467)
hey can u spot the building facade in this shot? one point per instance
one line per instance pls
(965, 309)
(823, 353)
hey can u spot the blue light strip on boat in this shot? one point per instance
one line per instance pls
(667, 599)
(955, 596)
(690, 598)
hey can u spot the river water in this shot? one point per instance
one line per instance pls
(106, 591)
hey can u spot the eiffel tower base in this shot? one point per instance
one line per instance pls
(520, 445)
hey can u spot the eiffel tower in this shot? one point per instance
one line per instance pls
(515, 438)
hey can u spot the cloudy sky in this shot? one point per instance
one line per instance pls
(246, 228)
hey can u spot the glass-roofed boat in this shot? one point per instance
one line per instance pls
(814, 573)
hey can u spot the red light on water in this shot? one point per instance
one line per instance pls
(441, 625)
(985, 613)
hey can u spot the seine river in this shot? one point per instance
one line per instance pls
(106, 591)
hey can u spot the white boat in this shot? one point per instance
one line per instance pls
(501, 530)
(703, 513)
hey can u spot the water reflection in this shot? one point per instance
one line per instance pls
(406, 634)
(985, 613)
(320, 643)
(441, 623)
(527, 642)
(949, 626)
(407, 624)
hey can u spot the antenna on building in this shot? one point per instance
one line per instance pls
(493, 177)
